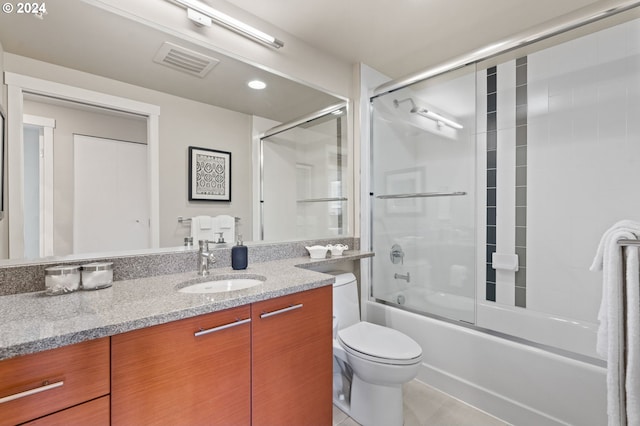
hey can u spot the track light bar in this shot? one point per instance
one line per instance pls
(231, 23)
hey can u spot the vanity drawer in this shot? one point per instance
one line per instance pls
(93, 413)
(35, 385)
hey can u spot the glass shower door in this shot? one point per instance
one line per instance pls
(304, 193)
(422, 180)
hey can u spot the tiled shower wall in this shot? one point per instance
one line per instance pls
(583, 163)
(567, 163)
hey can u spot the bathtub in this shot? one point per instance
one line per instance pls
(555, 331)
(517, 382)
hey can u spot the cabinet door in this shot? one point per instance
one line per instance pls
(38, 384)
(292, 359)
(194, 371)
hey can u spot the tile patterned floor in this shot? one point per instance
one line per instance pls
(424, 405)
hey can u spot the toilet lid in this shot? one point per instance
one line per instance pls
(384, 343)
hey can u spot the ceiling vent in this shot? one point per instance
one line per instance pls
(185, 60)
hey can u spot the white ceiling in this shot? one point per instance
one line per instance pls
(401, 37)
(75, 34)
(396, 37)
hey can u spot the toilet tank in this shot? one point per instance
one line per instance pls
(346, 307)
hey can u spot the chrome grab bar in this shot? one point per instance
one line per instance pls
(280, 311)
(45, 387)
(421, 195)
(221, 327)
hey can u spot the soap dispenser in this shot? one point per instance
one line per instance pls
(239, 255)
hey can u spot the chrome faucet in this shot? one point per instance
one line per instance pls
(205, 257)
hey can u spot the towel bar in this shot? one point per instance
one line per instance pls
(188, 219)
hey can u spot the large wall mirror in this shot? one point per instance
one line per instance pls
(68, 146)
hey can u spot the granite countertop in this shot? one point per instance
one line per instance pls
(33, 322)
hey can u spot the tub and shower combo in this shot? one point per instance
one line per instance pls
(491, 183)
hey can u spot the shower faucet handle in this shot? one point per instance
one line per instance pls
(396, 255)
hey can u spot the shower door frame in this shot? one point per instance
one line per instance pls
(291, 125)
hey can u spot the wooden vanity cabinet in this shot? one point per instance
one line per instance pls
(292, 356)
(193, 371)
(269, 363)
(36, 385)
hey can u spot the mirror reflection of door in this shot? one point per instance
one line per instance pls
(111, 209)
(38, 186)
(47, 227)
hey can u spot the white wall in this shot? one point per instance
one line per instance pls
(183, 123)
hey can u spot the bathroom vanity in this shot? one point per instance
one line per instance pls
(141, 352)
(251, 373)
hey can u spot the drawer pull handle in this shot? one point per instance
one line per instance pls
(221, 327)
(280, 311)
(45, 387)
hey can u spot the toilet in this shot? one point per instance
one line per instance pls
(370, 362)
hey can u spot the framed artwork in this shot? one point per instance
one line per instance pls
(209, 175)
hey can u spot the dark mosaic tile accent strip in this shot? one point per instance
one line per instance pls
(30, 277)
(521, 182)
(492, 168)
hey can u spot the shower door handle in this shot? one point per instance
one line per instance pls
(396, 255)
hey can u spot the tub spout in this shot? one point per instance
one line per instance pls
(407, 278)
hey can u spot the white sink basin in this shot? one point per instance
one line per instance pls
(221, 285)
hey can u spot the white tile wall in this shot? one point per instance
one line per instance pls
(584, 153)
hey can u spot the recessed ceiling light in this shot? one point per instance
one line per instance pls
(257, 84)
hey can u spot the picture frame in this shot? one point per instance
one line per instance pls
(209, 175)
(404, 181)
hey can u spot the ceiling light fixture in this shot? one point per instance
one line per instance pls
(439, 119)
(228, 22)
(257, 84)
(436, 117)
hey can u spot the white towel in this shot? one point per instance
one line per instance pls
(608, 258)
(227, 225)
(202, 228)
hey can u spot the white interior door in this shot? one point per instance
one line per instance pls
(111, 197)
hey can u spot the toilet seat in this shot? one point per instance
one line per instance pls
(379, 344)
